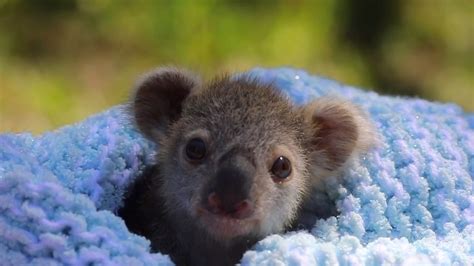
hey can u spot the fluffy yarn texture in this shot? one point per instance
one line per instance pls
(408, 201)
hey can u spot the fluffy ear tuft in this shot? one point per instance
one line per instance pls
(339, 130)
(159, 98)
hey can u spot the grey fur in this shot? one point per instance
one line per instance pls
(242, 114)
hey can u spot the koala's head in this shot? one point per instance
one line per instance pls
(235, 154)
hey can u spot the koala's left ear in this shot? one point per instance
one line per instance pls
(158, 99)
(338, 130)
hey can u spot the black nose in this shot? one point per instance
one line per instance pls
(235, 209)
(229, 192)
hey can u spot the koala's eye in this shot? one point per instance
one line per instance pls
(281, 168)
(196, 149)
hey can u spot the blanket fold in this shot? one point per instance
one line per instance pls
(410, 201)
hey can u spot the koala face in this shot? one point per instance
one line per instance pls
(236, 158)
(235, 153)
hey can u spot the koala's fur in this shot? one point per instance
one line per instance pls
(246, 124)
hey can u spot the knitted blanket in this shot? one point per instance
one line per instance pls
(408, 201)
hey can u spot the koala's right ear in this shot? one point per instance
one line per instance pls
(158, 99)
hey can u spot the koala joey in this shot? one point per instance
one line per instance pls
(236, 162)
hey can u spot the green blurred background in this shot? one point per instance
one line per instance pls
(61, 61)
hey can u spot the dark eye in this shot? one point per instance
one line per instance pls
(196, 149)
(281, 168)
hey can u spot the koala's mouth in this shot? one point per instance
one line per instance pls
(224, 225)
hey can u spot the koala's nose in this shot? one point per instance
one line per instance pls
(229, 205)
(229, 192)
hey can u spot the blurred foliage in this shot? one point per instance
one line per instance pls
(63, 60)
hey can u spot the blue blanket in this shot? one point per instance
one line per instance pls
(409, 201)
